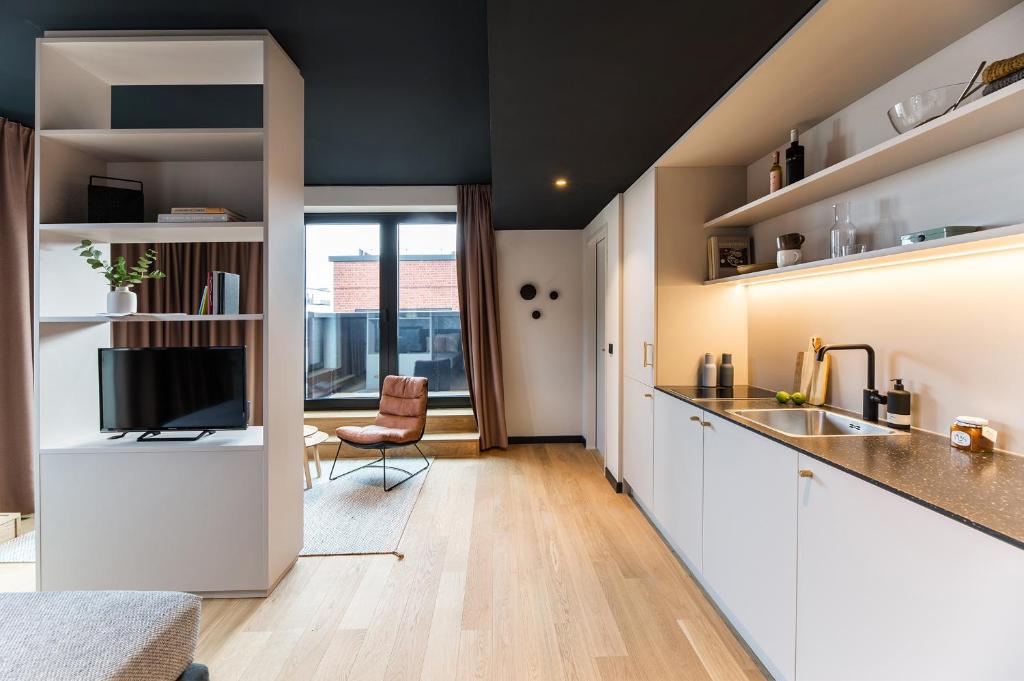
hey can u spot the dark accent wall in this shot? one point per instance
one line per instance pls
(412, 92)
(186, 106)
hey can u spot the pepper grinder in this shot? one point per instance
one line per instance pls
(897, 406)
(726, 371)
(708, 371)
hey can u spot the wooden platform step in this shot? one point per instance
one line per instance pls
(440, 420)
(432, 444)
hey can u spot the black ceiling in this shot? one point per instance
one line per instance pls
(513, 92)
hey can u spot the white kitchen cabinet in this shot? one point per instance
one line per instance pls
(638, 440)
(638, 280)
(749, 538)
(888, 589)
(679, 474)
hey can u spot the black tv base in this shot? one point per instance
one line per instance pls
(153, 436)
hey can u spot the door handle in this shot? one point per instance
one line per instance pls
(695, 418)
(649, 396)
(646, 362)
(804, 473)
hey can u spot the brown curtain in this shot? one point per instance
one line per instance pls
(477, 267)
(186, 266)
(16, 258)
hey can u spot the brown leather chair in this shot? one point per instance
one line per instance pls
(400, 422)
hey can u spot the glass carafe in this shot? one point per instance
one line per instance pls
(843, 233)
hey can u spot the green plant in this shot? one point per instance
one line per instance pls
(117, 273)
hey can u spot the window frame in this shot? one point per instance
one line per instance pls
(389, 287)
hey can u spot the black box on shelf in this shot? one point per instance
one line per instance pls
(113, 203)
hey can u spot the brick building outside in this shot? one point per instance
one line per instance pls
(426, 282)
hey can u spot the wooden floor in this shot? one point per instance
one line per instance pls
(519, 566)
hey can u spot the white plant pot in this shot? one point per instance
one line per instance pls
(122, 301)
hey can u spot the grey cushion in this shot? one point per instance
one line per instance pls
(97, 635)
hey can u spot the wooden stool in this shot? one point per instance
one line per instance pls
(312, 438)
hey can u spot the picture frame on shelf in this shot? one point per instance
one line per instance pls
(726, 253)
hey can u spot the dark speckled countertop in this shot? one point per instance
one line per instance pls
(985, 491)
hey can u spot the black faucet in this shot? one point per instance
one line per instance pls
(871, 396)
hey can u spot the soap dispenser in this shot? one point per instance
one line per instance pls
(897, 406)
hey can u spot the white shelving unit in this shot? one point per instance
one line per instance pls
(157, 233)
(982, 120)
(149, 317)
(984, 241)
(163, 145)
(222, 515)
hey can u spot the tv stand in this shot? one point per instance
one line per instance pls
(152, 435)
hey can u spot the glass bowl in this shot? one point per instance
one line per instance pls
(920, 108)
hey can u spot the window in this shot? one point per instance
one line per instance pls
(381, 298)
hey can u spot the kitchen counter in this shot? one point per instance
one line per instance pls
(985, 491)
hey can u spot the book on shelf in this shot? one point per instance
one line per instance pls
(220, 295)
(203, 300)
(200, 210)
(198, 217)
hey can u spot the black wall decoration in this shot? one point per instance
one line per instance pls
(529, 292)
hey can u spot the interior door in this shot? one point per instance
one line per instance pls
(600, 398)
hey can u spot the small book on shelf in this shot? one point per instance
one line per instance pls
(200, 214)
(222, 293)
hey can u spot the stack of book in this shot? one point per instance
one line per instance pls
(220, 295)
(200, 214)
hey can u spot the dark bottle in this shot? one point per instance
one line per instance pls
(794, 159)
(725, 371)
(898, 406)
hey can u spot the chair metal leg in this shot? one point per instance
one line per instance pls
(382, 463)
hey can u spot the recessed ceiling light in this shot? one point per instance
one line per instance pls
(561, 183)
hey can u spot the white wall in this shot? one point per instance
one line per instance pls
(952, 329)
(380, 199)
(541, 357)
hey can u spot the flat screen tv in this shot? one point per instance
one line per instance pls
(152, 390)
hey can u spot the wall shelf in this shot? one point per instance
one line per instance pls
(154, 317)
(157, 232)
(993, 239)
(997, 114)
(172, 144)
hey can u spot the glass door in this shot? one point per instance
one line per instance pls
(429, 328)
(343, 303)
(381, 298)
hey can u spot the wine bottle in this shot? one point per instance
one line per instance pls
(775, 175)
(794, 159)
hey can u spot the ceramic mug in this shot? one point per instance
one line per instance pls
(788, 256)
(789, 242)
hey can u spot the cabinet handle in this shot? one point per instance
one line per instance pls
(695, 418)
(647, 363)
(649, 396)
(706, 424)
(804, 473)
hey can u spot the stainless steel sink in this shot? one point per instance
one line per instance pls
(811, 423)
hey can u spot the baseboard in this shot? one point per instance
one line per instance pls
(546, 439)
(616, 485)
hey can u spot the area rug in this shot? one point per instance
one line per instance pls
(20, 549)
(353, 515)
